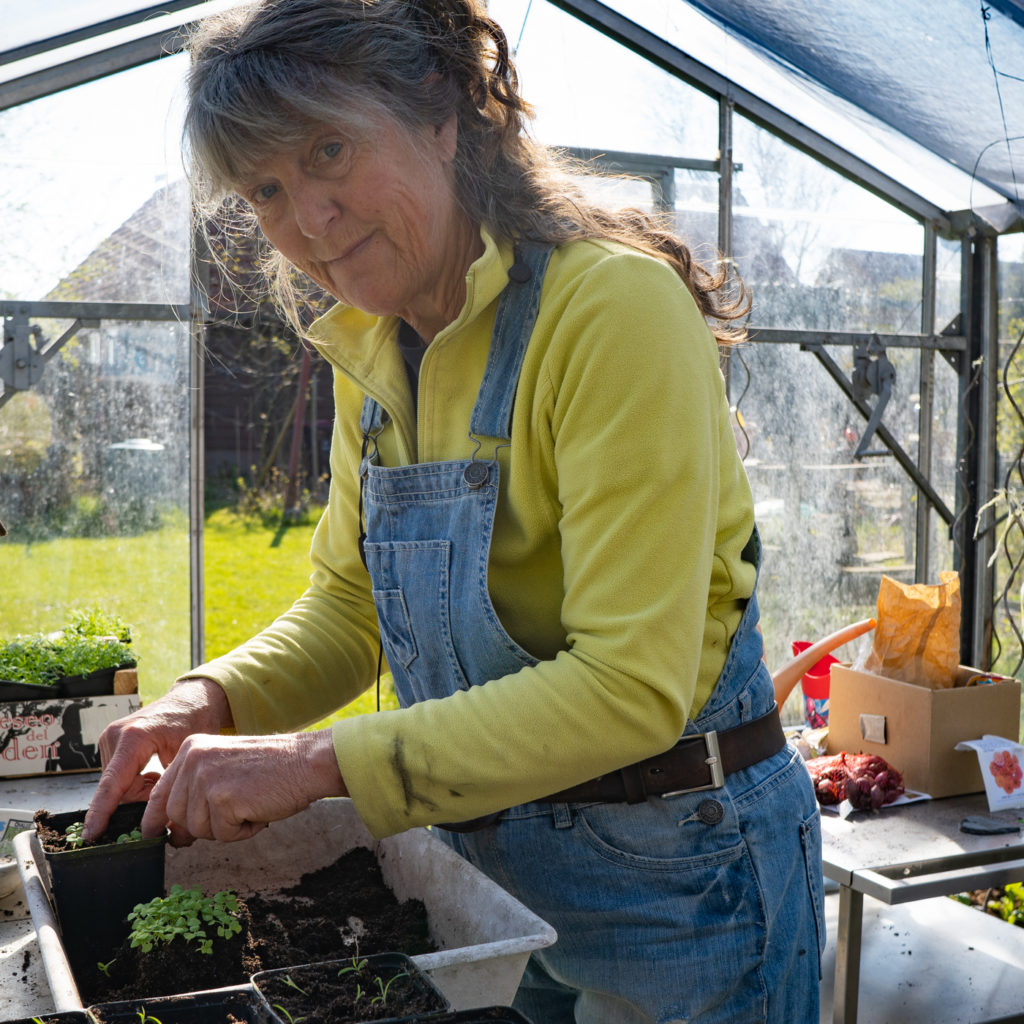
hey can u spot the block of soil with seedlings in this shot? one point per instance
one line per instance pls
(193, 940)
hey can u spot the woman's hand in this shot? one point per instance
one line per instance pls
(127, 745)
(230, 787)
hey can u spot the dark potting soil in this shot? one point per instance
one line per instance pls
(53, 840)
(338, 911)
(358, 990)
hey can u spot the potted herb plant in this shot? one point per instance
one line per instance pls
(204, 937)
(79, 660)
(382, 987)
(90, 649)
(27, 668)
(94, 886)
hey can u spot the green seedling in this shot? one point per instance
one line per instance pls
(186, 913)
(145, 1018)
(290, 982)
(130, 837)
(105, 968)
(291, 1019)
(356, 966)
(382, 998)
(73, 835)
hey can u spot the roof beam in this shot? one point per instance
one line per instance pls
(74, 72)
(673, 60)
(93, 30)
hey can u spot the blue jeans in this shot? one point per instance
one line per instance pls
(662, 917)
(703, 907)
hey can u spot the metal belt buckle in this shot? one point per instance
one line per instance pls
(713, 761)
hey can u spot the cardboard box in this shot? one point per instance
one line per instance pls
(41, 737)
(915, 729)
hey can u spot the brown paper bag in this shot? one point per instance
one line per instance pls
(917, 639)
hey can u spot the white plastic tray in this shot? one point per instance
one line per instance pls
(484, 936)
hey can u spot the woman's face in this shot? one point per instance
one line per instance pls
(373, 221)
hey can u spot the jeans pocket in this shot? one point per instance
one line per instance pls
(395, 628)
(810, 840)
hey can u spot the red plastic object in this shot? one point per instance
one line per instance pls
(815, 681)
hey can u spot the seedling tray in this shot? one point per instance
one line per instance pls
(483, 935)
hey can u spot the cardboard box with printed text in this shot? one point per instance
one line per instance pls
(915, 728)
(55, 734)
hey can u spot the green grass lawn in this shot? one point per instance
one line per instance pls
(253, 572)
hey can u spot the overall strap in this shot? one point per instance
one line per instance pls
(513, 325)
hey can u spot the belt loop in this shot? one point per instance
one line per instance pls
(633, 783)
(562, 815)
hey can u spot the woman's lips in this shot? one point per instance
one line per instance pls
(352, 250)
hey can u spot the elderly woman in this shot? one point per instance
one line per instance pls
(537, 517)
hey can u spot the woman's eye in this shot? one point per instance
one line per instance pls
(331, 150)
(262, 194)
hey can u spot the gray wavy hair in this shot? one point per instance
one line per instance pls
(263, 73)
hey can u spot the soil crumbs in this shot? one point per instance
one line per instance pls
(341, 910)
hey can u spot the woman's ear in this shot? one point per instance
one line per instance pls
(447, 135)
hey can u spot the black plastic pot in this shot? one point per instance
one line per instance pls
(213, 1007)
(64, 1017)
(96, 684)
(93, 889)
(483, 1015)
(411, 988)
(10, 690)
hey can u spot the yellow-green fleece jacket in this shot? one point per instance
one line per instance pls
(616, 555)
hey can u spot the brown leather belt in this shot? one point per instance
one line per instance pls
(695, 763)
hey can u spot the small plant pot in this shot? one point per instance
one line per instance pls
(93, 889)
(10, 690)
(64, 1017)
(386, 987)
(482, 1015)
(96, 684)
(216, 1006)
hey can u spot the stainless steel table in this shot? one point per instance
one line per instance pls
(905, 853)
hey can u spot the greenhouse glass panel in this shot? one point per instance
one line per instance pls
(1009, 500)
(588, 91)
(696, 211)
(831, 523)
(85, 199)
(948, 300)
(782, 53)
(94, 439)
(819, 252)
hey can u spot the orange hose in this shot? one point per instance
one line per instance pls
(791, 673)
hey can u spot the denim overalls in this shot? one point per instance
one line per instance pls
(703, 906)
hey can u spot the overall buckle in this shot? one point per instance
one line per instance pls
(714, 763)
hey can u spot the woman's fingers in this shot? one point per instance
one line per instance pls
(229, 787)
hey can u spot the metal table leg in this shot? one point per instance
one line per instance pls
(847, 983)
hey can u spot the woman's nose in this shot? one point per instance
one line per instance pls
(313, 209)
